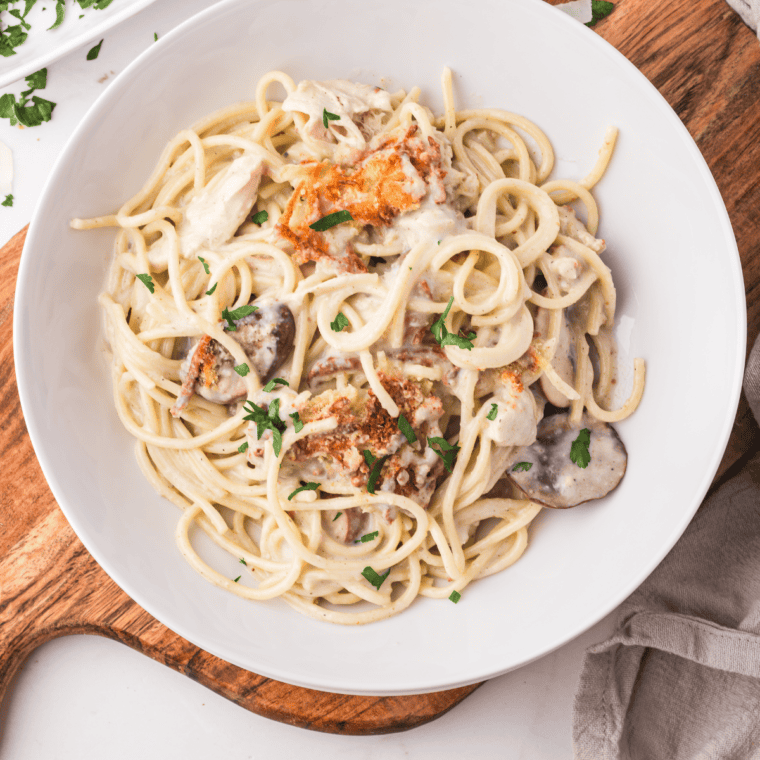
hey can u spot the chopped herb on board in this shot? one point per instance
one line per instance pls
(18, 112)
(94, 52)
(599, 9)
(8, 201)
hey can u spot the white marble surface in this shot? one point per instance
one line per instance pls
(86, 697)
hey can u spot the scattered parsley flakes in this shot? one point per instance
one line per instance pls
(339, 323)
(243, 562)
(60, 12)
(260, 217)
(211, 292)
(95, 52)
(243, 447)
(522, 467)
(242, 369)
(599, 10)
(205, 265)
(269, 387)
(494, 411)
(327, 116)
(455, 596)
(406, 429)
(331, 220)
(147, 280)
(155, 36)
(375, 472)
(8, 201)
(237, 579)
(367, 537)
(239, 313)
(375, 579)
(579, 453)
(297, 424)
(267, 419)
(337, 516)
(19, 112)
(38, 80)
(307, 487)
(448, 452)
(444, 338)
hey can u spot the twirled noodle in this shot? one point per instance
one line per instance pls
(389, 360)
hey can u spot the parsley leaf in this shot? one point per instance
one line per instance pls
(38, 80)
(331, 220)
(340, 322)
(375, 472)
(243, 447)
(327, 116)
(337, 516)
(447, 453)
(297, 424)
(147, 280)
(237, 579)
(260, 217)
(307, 487)
(239, 313)
(579, 452)
(60, 11)
(368, 458)
(599, 10)
(243, 562)
(211, 292)
(269, 387)
(242, 369)
(267, 419)
(367, 537)
(93, 54)
(522, 467)
(155, 36)
(406, 429)
(205, 265)
(375, 579)
(455, 596)
(444, 338)
(8, 201)
(494, 411)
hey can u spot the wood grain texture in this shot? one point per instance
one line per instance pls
(704, 61)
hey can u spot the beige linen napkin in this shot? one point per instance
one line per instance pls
(680, 678)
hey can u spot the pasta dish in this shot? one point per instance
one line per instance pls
(361, 346)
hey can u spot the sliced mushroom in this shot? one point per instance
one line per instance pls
(266, 336)
(553, 478)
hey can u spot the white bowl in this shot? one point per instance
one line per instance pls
(681, 307)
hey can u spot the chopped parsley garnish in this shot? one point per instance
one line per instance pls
(337, 516)
(522, 467)
(260, 217)
(406, 429)
(211, 292)
(205, 265)
(494, 411)
(579, 452)
(307, 487)
(367, 537)
(269, 387)
(147, 280)
(243, 447)
(327, 116)
(8, 201)
(444, 337)
(94, 52)
(243, 562)
(375, 472)
(375, 579)
(340, 322)
(331, 220)
(268, 419)
(155, 36)
(297, 424)
(237, 579)
(242, 369)
(19, 112)
(239, 313)
(448, 452)
(368, 458)
(455, 596)
(599, 10)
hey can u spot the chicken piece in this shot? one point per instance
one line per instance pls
(574, 228)
(266, 336)
(213, 215)
(549, 476)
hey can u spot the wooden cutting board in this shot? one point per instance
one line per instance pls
(704, 61)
